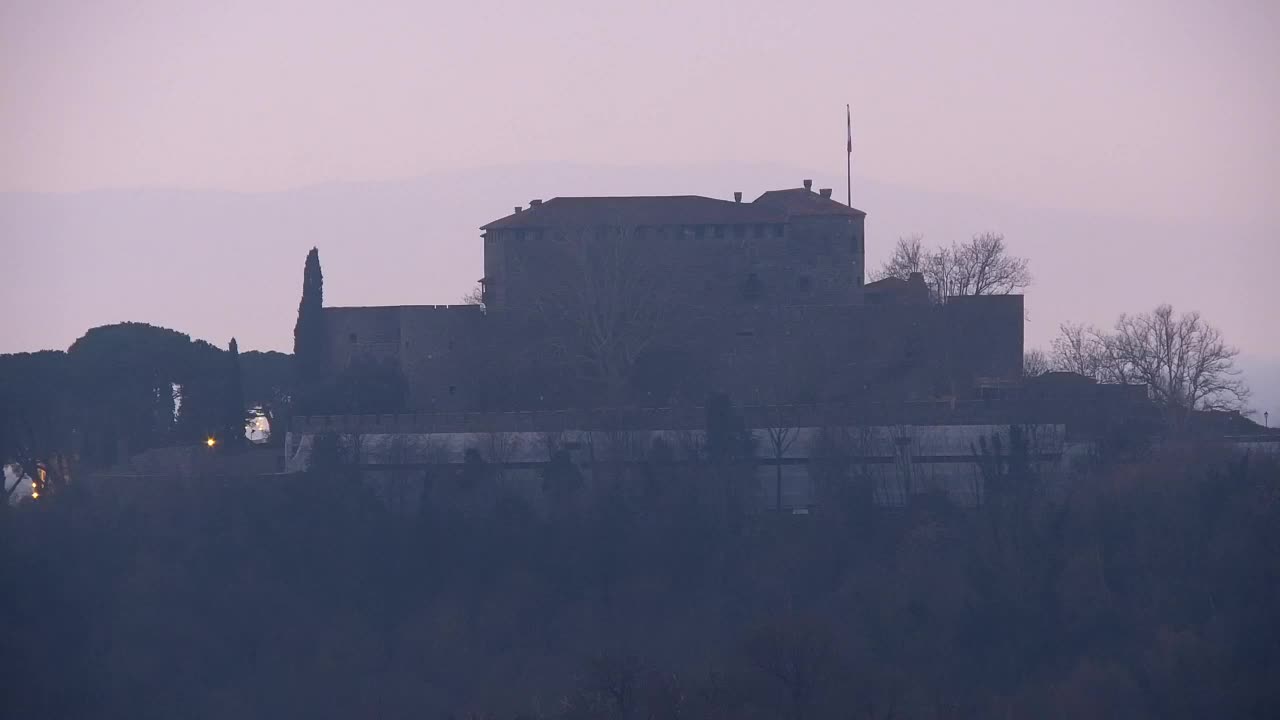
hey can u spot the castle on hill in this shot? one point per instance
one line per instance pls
(658, 301)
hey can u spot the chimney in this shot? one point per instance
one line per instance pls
(825, 192)
(808, 185)
(534, 203)
(737, 196)
(518, 208)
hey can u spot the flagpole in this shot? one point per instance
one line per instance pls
(848, 158)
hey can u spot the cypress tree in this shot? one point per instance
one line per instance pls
(308, 334)
(233, 415)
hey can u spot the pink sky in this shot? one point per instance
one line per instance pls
(1165, 109)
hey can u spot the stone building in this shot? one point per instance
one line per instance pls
(656, 301)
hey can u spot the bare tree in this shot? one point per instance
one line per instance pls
(781, 438)
(1181, 358)
(1183, 361)
(1080, 349)
(908, 257)
(474, 296)
(1035, 362)
(981, 266)
(613, 303)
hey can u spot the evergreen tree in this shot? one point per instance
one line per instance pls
(308, 333)
(233, 415)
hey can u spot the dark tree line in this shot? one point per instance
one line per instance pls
(122, 389)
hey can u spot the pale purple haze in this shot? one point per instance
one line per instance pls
(157, 156)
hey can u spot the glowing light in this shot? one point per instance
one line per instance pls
(210, 442)
(42, 476)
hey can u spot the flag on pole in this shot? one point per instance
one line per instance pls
(848, 125)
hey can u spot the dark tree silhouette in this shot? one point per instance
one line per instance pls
(233, 410)
(308, 333)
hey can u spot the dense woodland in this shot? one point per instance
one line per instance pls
(1147, 589)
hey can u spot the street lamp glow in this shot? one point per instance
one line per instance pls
(210, 442)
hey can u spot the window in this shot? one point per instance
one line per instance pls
(352, 337)
(804, 283)
(717, 230)
(699, 232)
(739, 231)
(752, 288)
(450, 343)
(757, 231)
(853, 244)
(519, 235)
(778, 230)
(453, 389)
(746, 333)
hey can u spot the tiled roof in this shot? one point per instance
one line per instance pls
(638, 210)
(890, 283)
(774, 206)
(800, 201)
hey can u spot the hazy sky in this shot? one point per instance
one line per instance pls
(1163, 113)
(1161, 108)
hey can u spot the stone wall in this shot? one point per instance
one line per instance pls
(459, 358)
(809, 260)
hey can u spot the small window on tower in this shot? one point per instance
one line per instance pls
(352, 337)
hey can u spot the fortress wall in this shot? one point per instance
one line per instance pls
(984, 335)
(811, 260)
(843, 353)
(362, 332)
(440, 346)
(461, 358)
